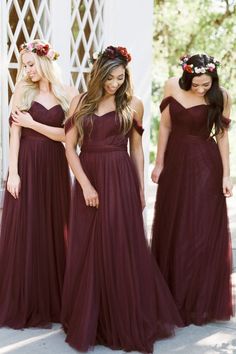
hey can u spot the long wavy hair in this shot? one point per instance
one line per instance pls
(214, 96)
(46, 68)
(102, 68)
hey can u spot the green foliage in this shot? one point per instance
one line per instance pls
(189, 27)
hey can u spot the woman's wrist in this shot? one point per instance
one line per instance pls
(13, 172)
(159, 162)
(33, 124)
(13, 175)
(84, 183)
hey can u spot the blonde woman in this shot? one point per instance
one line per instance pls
(36, 205)
(113, 293)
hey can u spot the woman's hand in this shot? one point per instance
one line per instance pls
(227, 187)
(22, 119)
(90, 196)
(156, 173)
(13, 185)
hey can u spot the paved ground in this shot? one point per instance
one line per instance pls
(210, 339)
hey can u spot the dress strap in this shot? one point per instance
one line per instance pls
(164, 103)
(137, 126)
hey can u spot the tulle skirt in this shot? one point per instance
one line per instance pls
(190, 235)
(114, 294)
(33, 237)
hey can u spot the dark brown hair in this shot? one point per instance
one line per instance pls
(214, 96)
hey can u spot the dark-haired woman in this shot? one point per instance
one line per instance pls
(190, 237)
(114, 293)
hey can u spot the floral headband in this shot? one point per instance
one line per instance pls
(190, 68)
(112, 53)
(41, 49)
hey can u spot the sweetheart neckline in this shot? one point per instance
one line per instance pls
(104, 113)
(186, 108)
(47, 109)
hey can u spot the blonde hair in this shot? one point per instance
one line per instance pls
(46, 68)
(99, 74)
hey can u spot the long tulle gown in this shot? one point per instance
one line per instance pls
(190, 236)
(34, 229)
(114, 294)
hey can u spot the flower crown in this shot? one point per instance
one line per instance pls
(190, 68)
(41, 49)
(112, 53)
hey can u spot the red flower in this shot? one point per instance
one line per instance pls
(188, 68)
(124, 53)
(42, 50)
(110, 52)
(117, 52)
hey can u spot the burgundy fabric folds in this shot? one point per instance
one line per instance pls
(190, 235)
(34, 229)
(114, 294)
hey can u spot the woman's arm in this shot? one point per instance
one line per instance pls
(24, 119)
(223, 145)
(13, 180)
(136, 148)
(90, 194)
(163, 136)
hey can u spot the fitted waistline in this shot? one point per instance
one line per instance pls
(190, 136)
(102, 148)
(37, 138)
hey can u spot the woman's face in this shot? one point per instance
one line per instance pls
(201, 84)
(30, 67)
(114, 80)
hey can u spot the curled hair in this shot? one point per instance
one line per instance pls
(102, 68)
(214, 96)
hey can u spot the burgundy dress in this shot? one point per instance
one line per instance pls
(34, 229)
(190, 236)
(114, 294)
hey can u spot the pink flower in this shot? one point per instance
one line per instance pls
(30, 46)
(211, 67)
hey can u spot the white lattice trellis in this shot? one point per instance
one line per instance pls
(21, 21)
(32, 19)
(86, 37)
(24, 20)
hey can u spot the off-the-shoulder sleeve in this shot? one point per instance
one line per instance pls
(226, 122)
(164, 103)
(69, 123)
(138, 127)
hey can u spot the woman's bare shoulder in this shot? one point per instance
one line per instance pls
(137, 106)
(74, 103)
(17, 94)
